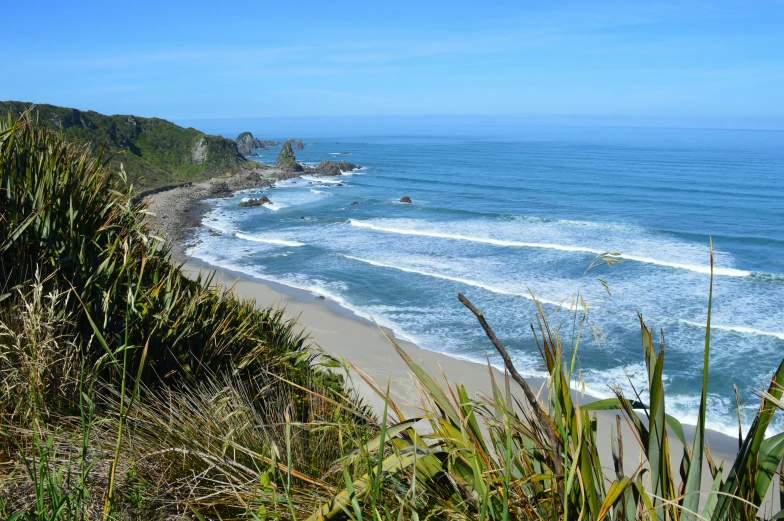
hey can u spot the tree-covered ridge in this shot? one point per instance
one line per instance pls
(153, 151)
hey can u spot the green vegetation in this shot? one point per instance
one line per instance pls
(154, 152)
(287, 160)
(130, 392)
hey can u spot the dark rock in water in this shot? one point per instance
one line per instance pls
(293, 182)
(297, 143)
(405, 199)
(345, 153)
(327, 168)
(340, 184)
(256, 202)
(321, 297)
(310, 182)
(345, 166)
(213, 233)
(354, 203)
(337, 142)
(302, 217)
(287, 160)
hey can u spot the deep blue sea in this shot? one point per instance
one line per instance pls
(499, 217)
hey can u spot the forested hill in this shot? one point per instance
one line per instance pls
(154, 152)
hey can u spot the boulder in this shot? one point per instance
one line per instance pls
(220, 189)
(354, 203)
(297, 143)
(405, 199)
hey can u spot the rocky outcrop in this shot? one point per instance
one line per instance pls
(256, 202)
(327, 168)
(405, 199)
(246, 144)
(297, 143)
(287, 160)
(220, 189)
(345, 166)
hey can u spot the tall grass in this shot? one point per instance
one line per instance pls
(132, 315)
(64, 214)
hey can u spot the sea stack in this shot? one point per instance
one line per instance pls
(405, 199)
(287, 160)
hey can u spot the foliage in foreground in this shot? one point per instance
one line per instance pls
(90, 302)
(95, 425)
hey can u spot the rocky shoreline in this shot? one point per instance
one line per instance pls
(178, 211)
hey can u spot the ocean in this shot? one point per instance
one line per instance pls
(501, 217)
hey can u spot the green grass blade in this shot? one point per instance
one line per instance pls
(691, 501)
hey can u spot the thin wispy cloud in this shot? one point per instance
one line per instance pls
(462, 59)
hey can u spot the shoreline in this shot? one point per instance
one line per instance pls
(343, 332)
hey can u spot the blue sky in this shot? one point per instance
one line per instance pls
(690, 61)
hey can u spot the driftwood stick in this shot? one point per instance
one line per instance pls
(619, 463)
(544, 419)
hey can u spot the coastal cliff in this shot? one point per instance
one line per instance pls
(153, 152)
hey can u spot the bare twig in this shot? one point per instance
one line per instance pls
(544, 419)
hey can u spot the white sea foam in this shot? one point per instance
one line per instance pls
(325, 180)
(268, 240)
(730, 272)
(738, 329)
(460, 280)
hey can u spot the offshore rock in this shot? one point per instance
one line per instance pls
(345, 166)
(327, 168)
(287, 160)
(246, 143)
(256, 202)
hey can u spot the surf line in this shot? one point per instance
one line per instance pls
(729, 272)
(468, 282)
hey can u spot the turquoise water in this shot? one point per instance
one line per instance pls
(495, 217)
